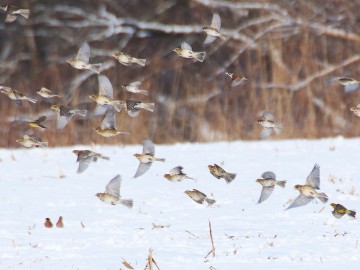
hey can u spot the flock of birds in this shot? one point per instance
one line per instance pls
(108, 107)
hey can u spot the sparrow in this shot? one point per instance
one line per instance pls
(38, 122)
(340, 210)
(133, 107)
(82, 60)
(108, 125)
(268, 123)
(59, 223)
(308, 191)
(356, 110)
(199, 197)
(187, 52)
(236, 80)
(48, 223)
(219, 173)
(146, 158)
(105, 96)
(127, 60)
(85, 157)
(46, 93)
(29, 142)
(214, 30)
(112, 193)
(15, 95)
(176, 175)
(134, 88)
(268, 182)
(349, 84)
(64, 115)
(12, 12)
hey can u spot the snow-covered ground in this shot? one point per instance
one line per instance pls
(246, 235)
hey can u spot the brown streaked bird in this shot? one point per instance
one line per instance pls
(308, 191)
(134, 88)
(85, 157)
(199, 197)
(214, 30)
(133, 107)
(108, 125)
(15, 95)
(29, 142)
(46, 93)
(340, 210)
(48, 223)
(65, 114)
(268, 182)
(81, 61)
(187, 52)
(60, 223)
(127, 59)
(146, 158)
(112, 193)
(269, 125)
(219, 173)
(176, 175)
(349, 84)
(236, 79)
(105, 95)
(12, 12)
(356, 110)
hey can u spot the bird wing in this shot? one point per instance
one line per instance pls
(314, 177)
(351, 87)
(148, 147)
(84, 53)
(268, 175)
(186, 46)
(84, 164)
(133, 112)
(265, 193)
(267, 116)
(300, 201)
(109, 120)
(41, 119)
(113, 188)
(220, 170)
(136, 84)
(209, 39)
(265, 133)
(143, 168)
(176, 170)
(62, 120)
(216, 22)
(105, 87)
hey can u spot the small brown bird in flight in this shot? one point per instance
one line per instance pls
(187, 52)
(65, 114)
(12, 12)
(199, 197)
(108, 125)
(214, 30)
(176, 175)
(127, 59)
(340, 210)
(81, 61)
(219, 173)
(268, 182)
(85, 157)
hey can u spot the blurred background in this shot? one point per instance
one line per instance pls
(289, 50)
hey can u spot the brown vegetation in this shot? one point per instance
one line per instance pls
(287, 49)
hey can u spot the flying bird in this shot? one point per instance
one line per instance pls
(127, 59)
(214, 30)
(65, 114)
(199, 197)
(340, 210)
(219, 173)
(112, 193)
(15, 95)
(134, 88)
(85, 157)
(187, 52)
(46, 93)
(356, 110)
(133, 107)
(108, 125)
(176, 175)
(105, 95)
(349, 84)
(146, 158)
(269, 125)
(308, 192)
(236, 79)
(81, 61)
(268, 182)
(29, 142)
(12, 12)
(38, 123)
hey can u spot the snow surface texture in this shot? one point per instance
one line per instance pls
(246, 235)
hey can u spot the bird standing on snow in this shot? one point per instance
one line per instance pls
(268, 182)
(199, 197)
(81, 61)
(219, 173)
(127, 59)
(85, 157)
(176, 175)
(308, 191)
(187, 52)
(146, 158)
(112, 193)
(108, 125)
(214, 30)
(268, 123)
(48, 223)
(64, 115)
(340, 210)
(59, 223)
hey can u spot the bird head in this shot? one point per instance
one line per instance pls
(229, 74)
(55, 107)
(167, 176)
(177, 50)
(124, 85)
(60, 218)
(260, 122)
(259, 180)
(93, 97)
(333, 205)
(99, 195)
(298, 187)
(71, 62)
(353, 109)
(76, 152)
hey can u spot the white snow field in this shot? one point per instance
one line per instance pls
(246, 235)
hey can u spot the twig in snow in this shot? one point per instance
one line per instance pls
(212, 251)
(151, 261)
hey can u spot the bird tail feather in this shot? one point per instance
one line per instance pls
(81, 112)
(127, 203)
(148, 106)
(281, 183)
(210, 201)
(229, 177)
(200, 56)
(323, 197)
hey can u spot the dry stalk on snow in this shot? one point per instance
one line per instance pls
(212, 251)
(151, 261)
